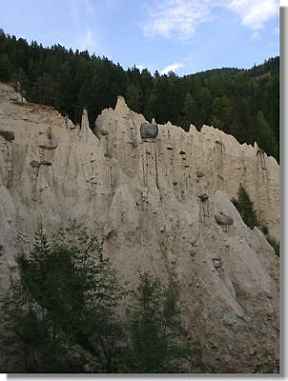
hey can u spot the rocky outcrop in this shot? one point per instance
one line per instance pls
(148, 131)
(222, 219)
(160, 205)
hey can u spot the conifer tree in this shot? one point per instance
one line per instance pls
(5, 67)
(62, 308)
(157, 337)
(244, 103)
(189, 111)
(246, 208)
(264, 133)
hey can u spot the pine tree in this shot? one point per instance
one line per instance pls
(5, 67)
(134, 97)
(246, 208)
(62, 308)
(222, 113)
(157, 340)
(189, 111)
(264, 133)
(242, 102)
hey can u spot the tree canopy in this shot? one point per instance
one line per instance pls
(244, 103)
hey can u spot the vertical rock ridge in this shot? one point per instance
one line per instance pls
(86, 135)
(121, 106)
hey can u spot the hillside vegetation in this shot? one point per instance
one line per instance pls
(244, 103)
(62, 315)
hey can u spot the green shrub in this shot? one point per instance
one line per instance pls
(62, 308)
(63, 314)
(245, 208)
(158, 342)
(273, 242)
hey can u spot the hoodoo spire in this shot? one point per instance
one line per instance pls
(121, 105)
(85, 131)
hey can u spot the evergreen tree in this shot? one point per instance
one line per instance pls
(264, 133)
(62, 308)
(134, 97)
(246, 208)
(146, 85)
(157, 337)
(189, 111)
(5, 67)
(205, 105)
(222, 113)
(244, 103)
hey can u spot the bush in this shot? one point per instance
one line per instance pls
(273, 242)
(158, 342)
(62, 315)
(245, 208)
(62, 308)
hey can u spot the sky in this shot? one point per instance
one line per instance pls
(185, 36)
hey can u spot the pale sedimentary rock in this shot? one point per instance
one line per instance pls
(155, 205)
(222, 219)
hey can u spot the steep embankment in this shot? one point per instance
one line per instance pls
(162, 206)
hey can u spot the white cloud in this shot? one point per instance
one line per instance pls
(254, 13)
(82, 34)
(149, 67)
(172, 67)
(87, 41)
(176, 17)
(180, 18)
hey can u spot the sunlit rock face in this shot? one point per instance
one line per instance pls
(161, 205)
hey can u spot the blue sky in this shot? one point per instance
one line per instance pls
(181, 35)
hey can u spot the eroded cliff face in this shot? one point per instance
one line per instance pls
(161, 205)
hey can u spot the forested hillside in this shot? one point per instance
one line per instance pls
(244, 103)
